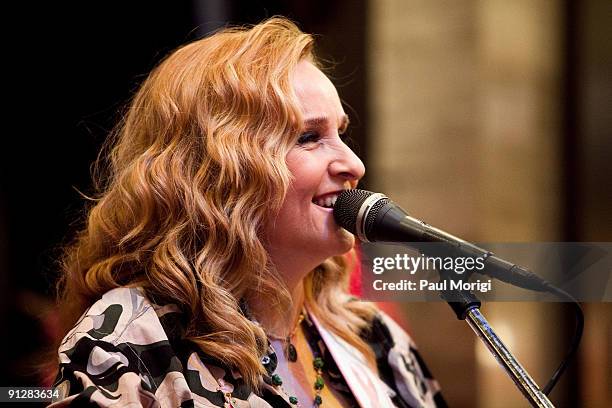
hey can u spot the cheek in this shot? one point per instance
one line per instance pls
(307, 171)
(294, 214)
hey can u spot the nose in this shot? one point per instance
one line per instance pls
(347, 165)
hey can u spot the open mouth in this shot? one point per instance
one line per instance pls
(326, 200)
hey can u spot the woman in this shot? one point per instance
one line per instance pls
(210, 271)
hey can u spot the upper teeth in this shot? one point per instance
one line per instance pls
(328, 201)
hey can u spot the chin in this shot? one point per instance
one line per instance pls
(338, 244)
(346, 242)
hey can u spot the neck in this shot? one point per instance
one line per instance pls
(281, 323)
(278, 323)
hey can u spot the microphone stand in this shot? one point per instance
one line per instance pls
(467, 307)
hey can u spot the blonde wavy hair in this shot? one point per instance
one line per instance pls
(191, 175)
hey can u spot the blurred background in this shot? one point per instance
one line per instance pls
(487, 118)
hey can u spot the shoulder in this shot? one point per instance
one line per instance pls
(386, 328)
(400, 363)
(126, 350)
(119, 350)
(119, 316)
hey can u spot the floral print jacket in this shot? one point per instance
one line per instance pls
(128, 352)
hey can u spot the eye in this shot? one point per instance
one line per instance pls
(308, 137)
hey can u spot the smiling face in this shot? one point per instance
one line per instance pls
(322, 166)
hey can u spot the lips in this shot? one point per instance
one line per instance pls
(326, 200)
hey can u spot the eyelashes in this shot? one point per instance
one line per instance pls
(308, 137)
(313, 137)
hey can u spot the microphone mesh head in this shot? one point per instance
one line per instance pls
(372, 215)
(347, 207)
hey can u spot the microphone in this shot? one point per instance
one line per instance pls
(373, 217)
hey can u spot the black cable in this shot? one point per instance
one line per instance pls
(531, 281)
(575, 341)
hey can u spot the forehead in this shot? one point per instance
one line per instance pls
(316, 94)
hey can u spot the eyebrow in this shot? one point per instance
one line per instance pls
(322, 120)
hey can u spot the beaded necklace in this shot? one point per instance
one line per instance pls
(277, 381)
(291, 354)
(270, 363)
(289, 349)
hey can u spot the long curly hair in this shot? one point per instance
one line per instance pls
(186, 183)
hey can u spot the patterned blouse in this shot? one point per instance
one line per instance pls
(127, 351)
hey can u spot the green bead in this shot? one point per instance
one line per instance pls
(318, 363)
(292, 353)
(319, 383)
(293, 400)
(318, 400)
(277, 380)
